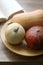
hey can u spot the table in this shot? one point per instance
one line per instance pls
(7, 55)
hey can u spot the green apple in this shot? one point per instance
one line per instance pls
(14, 33)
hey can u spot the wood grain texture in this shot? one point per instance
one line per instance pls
(5, 54)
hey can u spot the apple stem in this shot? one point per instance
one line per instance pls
(15, 30)
(38, 30)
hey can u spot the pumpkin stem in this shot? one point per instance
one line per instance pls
(15, 30)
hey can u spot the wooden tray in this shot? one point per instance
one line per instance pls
(21, 49)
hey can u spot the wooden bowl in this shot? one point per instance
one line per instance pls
(21, 49)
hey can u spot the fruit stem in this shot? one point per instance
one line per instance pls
(38, 30)
(15, 30)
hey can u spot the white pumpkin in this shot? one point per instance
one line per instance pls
(14, 33)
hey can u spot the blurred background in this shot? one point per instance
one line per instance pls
(30, 5)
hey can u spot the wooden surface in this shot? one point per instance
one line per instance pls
(7, 55)
(22, 48)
